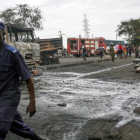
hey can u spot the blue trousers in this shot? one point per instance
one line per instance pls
(83, 54)
(11, 120)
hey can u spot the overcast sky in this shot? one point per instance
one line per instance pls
(67, 16)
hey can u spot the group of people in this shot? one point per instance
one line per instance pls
(121, 49)
(126, 49)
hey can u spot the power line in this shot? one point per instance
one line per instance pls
(62, 23)
(63, 29)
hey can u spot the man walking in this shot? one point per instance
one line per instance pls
(112, 52)
(101, 50)
(83, 52)
(12, 65)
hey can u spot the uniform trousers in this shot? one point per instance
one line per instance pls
(11, 120)
(112, 57)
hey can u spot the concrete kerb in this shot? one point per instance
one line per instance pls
(49, 67)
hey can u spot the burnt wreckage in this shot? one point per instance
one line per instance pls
(50, 50)
(23, 40)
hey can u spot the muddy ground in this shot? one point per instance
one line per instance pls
(86, 117)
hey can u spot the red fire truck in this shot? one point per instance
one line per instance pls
(91, 44)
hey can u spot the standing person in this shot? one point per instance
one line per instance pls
(101, 50)
(83, 52)
(136, 51)
(120, 48)
(12, 65)
(125, 51)
(112, 52)
(129, 50)
(117, 49)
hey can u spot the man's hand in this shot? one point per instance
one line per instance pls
(31, 109)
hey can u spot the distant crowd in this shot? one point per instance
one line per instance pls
(123, 51)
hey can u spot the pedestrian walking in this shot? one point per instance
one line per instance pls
(63, 53)
(112, 52)
(125, 51)
(120, 49)
(12, 65)
(117, 49)
(136, 51)
(129, 49)
(83, 52)
(101, 50)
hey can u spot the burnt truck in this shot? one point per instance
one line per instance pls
(23, 40)
(50, 50)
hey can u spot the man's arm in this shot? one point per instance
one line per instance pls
(31, 107)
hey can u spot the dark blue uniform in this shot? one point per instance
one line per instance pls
(12, 65)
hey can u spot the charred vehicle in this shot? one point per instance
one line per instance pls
(23, 40)
(50, 50)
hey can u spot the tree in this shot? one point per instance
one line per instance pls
(23, 15)
(130, 29)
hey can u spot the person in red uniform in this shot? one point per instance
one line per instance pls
(120, 47)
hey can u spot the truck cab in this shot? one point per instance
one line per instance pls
(23, 40)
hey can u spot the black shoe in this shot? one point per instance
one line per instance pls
(36, 137)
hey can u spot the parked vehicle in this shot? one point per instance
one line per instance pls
(92, 45)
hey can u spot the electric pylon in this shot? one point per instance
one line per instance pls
(86, 29)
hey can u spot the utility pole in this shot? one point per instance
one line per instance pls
(61, 36)
(116, 35)
(86, 29)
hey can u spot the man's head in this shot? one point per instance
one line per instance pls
(111, 44)
(2, 33)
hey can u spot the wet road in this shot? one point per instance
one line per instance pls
(103, 91)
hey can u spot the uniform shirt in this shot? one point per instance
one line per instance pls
(101, 49)
(12, 65)
(112, 50)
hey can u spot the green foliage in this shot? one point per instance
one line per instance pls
(131, 29)
(23, 15)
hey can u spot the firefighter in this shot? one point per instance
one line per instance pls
(112, 52)
(12, 65)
